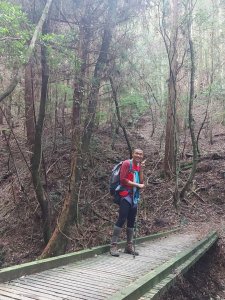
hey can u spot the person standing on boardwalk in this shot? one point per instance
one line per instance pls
(131, 181)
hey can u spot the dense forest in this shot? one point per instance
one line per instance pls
(82, 83)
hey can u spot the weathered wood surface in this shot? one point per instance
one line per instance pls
(99, 277)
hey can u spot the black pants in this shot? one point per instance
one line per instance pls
(126, 212)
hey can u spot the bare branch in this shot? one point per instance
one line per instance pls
(10, 38)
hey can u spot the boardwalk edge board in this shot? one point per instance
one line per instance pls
(10, 273)
(155, 282)
(166, 283)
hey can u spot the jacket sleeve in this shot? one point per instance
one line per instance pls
(124, 171)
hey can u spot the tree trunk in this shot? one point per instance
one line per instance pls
(191, 119)
(58, 241)
(101, 62)
(170, 141)
(56, 120)
(1, 118)
(8, 112)
(29, 105)
(37, 150)
(78, 97)
(114, 93)
(63, 108)
(70, 210)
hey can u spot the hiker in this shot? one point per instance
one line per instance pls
(131, 180)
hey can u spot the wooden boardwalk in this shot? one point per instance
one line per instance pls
(99, 277)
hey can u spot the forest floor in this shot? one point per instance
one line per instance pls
(202, 209)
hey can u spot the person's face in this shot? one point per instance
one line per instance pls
(138, 155)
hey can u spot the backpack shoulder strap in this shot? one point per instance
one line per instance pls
(131, 164)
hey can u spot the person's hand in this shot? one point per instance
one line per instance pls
(143, 164)
(141, 185)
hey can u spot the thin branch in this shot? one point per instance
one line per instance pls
(114, 95)
(100, 216)
(13, 160)
(64, 17)
(10, 38)
(18, 145)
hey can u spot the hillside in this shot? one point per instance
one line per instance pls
(202, 208)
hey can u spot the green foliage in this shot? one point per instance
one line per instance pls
(64, 89)
(61, 54)
(101, 117)
(14, 33)
(61, 90)
(132, 106)
(202, 17)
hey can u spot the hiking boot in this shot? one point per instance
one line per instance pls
(114, 251)
(129, 249)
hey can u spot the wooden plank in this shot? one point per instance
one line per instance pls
(27, 293)
(101, 279)
(90, 272)
(6, 298)
(24, 294)
(49, 293)
(12, 294)
(101, 276)
(67, 286)
(10, 273)
(163, 286)
(81, 281)
(145, 283)
(63, 288)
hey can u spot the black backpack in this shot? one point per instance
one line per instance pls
(114, 183)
